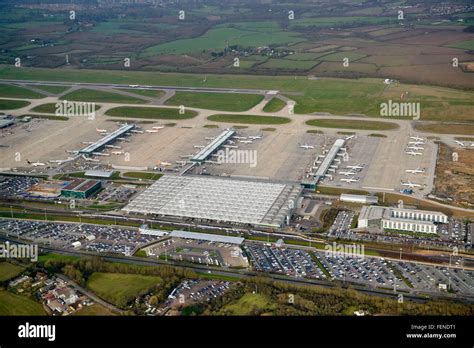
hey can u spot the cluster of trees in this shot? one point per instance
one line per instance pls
(288, 300)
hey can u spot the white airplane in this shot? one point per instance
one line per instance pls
(87, 142)
(90, 159)
(101, 154)
(357, 167)
(134, 86)
(166, 163)
(306, 146)
(460, 143)
(416, 143)
(416, 147)
(136, 131)
(416, 138)
(246, 141)
(209, 138)
(199, 146)
(158, 127)
(350, 180)
(349, 173)
(413, 153)
(231, 142)
(101, 130)
(415, 171)
(117, 152)
(151, 131)
(181, 162)
(350, 137)
(254, 137)
(410, 184)
(237, 137)
(36, 164)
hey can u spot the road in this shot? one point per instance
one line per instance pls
(242, 274)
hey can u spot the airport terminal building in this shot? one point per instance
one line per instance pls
(401, 219)
(228, 201)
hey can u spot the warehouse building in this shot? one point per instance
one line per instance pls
(401, 219)
(81, 188)
(219, 200)
(363, 199)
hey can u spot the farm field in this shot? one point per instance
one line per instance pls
(119, 288)
(9, 271)
(249, 304)
(12, 304)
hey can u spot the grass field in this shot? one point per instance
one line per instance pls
(446, 128)
(119, 288)
(143, 175)
(50, 108)
(151, 113)
(287, 64)
(146, 92)
(352, 124)
(9, 270)
(274, 105)
(248, 34)
(12, 304)
(249, 119)
(6, 104)
(10, 91)
(216, 101)
(465, 45)
(334, 95)
(89, 95)
(51, 89)
(249, 304)
(95, 309)
(48, 117)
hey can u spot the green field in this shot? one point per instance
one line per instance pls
(9, 271)
(445, 128)
(142, 175)
(249, 119)
(50, 108)
(249, 304)
(339, 57)
(10, 91)
(146, 92)
(12, 304)
(246, 34)
(216, 101)
(337, 96)
(152, 113)
(95, 309)
(48, 117)
(325, 22)
(89, 95)
(119, 288)
(287, 64)
(274, 105)
(465, 45)
(52, 89)
(352, 124)
(6, 104)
